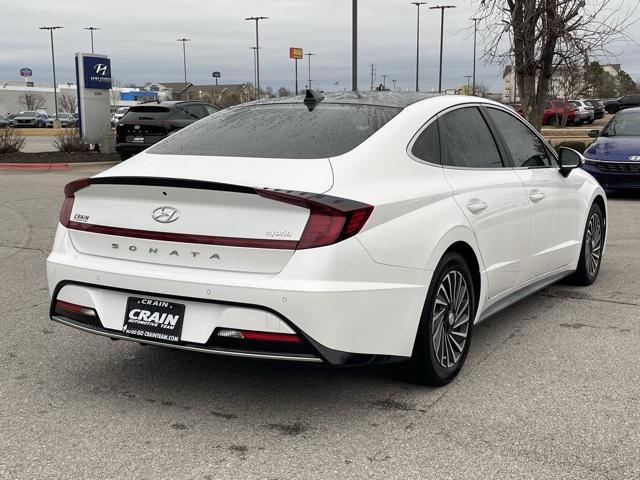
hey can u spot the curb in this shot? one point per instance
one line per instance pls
(53, 166)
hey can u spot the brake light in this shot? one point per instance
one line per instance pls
(331, 219)
(69, 197)
(259, 336)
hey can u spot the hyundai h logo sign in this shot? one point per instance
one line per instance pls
(165, 214)
(97, 72)
(101, 69)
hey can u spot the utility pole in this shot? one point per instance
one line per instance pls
(184, 56)
(475, 38)
(309, 65)
(257, 19)
(354, 45)
(417, 4)
(372, 74)
(394, 84)
(53, 63)
(442, 9)
(92, 29)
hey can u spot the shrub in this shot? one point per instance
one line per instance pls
(68, 140)
(580, 146)
(11, 140)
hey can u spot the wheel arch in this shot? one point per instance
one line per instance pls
(469, 255)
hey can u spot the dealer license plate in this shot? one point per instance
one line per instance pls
(151, 319)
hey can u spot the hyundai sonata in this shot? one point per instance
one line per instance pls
(346, 229)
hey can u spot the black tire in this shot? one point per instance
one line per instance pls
(430, 365)
(591, 251)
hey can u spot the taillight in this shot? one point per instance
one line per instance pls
(69, 197)
(331, 219)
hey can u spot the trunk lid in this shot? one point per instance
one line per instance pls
(200, 212)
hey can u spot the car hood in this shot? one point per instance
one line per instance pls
(617, 149)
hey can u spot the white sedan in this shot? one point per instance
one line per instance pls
(348, 228)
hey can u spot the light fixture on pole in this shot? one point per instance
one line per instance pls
(184, 56)
(442, 9)
(92, 29)
(309, 65)
(53, 63)
(475, 37)
(257, 19)
(417, 4)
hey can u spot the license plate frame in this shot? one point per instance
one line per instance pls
(138, 139)
(153, 319)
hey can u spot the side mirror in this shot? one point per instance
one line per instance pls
(594, 133)
(569, 160)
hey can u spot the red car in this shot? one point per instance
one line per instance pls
(554, 110)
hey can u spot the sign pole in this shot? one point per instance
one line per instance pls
(296, 61)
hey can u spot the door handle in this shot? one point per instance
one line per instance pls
(476, 206)
(536, 196)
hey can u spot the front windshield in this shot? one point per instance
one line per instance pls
(625, 125)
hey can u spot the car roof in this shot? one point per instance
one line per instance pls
(381, 99)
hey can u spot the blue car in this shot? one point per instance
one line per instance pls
(614, 158)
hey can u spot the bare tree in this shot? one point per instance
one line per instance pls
(539, 36)
(32, 101)
(68, 103)
(284, 92)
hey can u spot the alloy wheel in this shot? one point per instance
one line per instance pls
(451, 317)
(593, 246)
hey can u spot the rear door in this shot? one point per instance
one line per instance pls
(489, 193)
(552, 197)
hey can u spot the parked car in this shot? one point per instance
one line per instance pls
(598, 108)
(614, 158)
(144, 125)
(585, 112)
(555, 110)
(345, 229)
(10, 119)
(66, 120)
(29, 119)
(628, 101)
(118, 114)
(516, 107)
(3, 122)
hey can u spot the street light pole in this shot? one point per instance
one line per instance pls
(442, 9)
(394, 84)
(468, 77)
(255, 71)
(92, 29)
(417, 4)
(384, 81)
(53, 63)
(475, 37)
(257, 19)
(184, 56)
(354, 45)
(309, 65)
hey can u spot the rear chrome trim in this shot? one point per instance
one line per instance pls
(203, 349)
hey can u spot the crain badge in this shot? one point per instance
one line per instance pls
(635, 158)
(80, 218)
(165, 214)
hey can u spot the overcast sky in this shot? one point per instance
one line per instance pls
(140, 37)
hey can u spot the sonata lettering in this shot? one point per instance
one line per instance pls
(173, 253)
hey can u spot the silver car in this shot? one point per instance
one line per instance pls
(585, 113)
(66, 120)
(29, 119)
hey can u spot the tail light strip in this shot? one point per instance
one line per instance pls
(331, 220)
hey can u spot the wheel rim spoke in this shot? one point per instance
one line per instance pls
(593, 243)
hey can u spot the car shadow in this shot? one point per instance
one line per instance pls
(623, 194)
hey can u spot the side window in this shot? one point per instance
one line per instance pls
(210, 109)
(466, 141)
(526, 148)
(197, 111)
(427, 146)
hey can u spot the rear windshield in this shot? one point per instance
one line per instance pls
(147, 113)
(279, 131)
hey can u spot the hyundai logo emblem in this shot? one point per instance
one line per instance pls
(165, 214)
(100, 69)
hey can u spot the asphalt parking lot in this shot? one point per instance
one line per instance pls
(551, 388)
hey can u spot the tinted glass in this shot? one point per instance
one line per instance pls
(465, 140)
(279, 131)
(197, 110)
(525, 147)
(210, 109)
(146, 113)
(623, 125)
(427, 146)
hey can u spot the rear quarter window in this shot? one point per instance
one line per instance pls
(279, 131)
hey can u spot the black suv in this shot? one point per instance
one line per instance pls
(628, 101)
(144, 125)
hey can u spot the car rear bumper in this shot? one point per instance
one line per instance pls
(357, 319)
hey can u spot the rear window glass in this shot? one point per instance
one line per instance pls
(147, 113)
(279, 131)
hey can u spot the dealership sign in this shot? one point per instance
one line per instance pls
(97, 72)
(295, 53)
(26, 72)
(216, 75)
